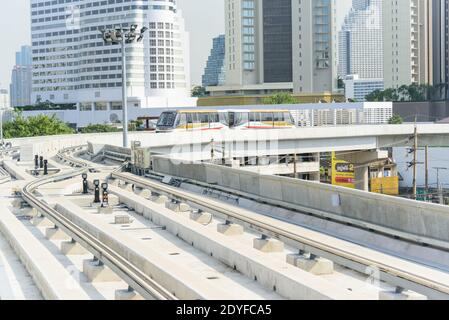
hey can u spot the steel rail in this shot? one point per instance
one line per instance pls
(393, 275)
(136, 279)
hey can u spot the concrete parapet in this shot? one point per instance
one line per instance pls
(98, 273)
(177, 206)
(42, 222)
(317, 266)
(55, 234)
(404, 295)
(201, 217)
(127, 295)
(268, 245)
(70, 248)
(230, 229)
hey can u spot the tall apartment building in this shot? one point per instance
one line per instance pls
(214, 73)
(279, 45)
(361, 41)
(440, 31)
(21, 78)
(407, 40)
(71, 63)
(315, 53)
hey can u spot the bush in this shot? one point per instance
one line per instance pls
(40, 125)
(99, 128)
(280, 98)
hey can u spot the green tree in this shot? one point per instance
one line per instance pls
(396, 119)
(199, 92)
(280, 98)
(40, 125)
(99, 128)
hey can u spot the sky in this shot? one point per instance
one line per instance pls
(204, 21)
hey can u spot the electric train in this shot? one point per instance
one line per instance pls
(203, 120)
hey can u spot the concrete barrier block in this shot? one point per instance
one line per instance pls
(405, 295)
(33, 213)
(96, 273)
(159, 199)
(126, 295)
(122, 219)
(42, 222)
(145, 193)
(318, 266)
(113, 200)
(268, 245)
(70, 248)
(201, 217)
(105, 210)
(17, 203)
(56, 234)
(230, 229)
(177, 207)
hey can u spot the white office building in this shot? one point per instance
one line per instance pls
(361, 41)
(71, 63)
(357, 89)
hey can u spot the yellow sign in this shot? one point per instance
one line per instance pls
(342, 173)
(387, 185)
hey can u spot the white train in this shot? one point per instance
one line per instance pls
(217, 119)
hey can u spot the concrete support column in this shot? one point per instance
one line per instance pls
(362, 178)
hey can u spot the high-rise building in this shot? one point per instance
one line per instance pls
(315, 53)
(279, 45)
(214, 73)
(360, 41)
(4, 99)
(407, 26)
(440, 31)
(72, 64)
(21, 82)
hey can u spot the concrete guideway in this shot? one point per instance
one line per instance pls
(48, 274)
(15, 281)
(430, 282)
(155, 258)
(304, 140)
(134, 277)
(290, 282)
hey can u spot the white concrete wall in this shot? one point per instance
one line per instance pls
(422, 219)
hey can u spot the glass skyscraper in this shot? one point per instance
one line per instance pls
(21, 83)
(214, 73)
(361, 41)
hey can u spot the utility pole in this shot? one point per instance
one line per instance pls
(427, 169)
(295, 169)
(415, 156)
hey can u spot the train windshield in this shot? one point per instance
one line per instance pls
(167, 119)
